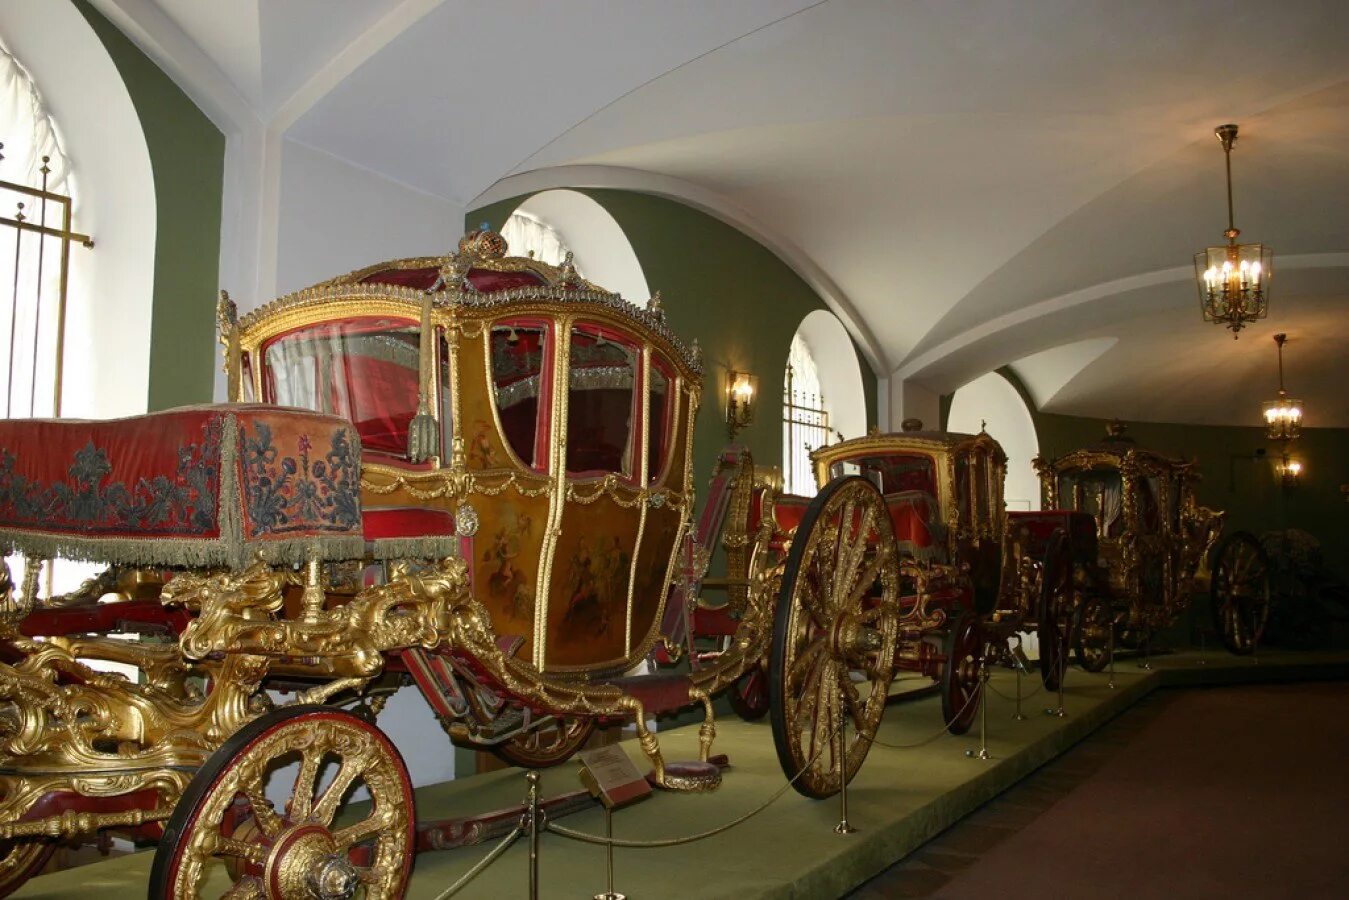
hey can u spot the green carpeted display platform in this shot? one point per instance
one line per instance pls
(902, 798)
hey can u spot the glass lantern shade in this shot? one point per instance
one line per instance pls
(1283, 418)
(1234, 283)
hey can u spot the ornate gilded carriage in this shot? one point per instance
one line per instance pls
(471, 473)
(1158, 546)
(906, 560)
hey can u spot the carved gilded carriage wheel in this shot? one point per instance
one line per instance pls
(1091, 639)
(546, 746)
(1239, 592)
(964, 648)
(1054, 610)
(20, 860)
(834, 636)
(309, 847)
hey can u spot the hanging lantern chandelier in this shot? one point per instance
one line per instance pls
(1283, 417)
(1233, 278)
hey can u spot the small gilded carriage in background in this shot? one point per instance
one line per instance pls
(906, 560)
(1158, 548)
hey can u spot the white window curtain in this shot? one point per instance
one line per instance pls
(528, 235)
(28, 296)
(803, 426)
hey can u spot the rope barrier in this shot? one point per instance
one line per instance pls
(972, 698)
(1024, 697)
(482, 864)
(586, 837)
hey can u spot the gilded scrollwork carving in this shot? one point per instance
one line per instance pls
(237, 613)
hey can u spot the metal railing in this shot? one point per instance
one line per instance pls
(805, 427)
(33, 339)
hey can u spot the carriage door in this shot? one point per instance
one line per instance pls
(588, 616)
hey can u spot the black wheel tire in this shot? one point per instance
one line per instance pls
(964, 650)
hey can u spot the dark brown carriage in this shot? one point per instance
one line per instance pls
(1158, 548)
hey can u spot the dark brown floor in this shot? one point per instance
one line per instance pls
(1204, 793)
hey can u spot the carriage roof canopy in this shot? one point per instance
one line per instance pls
(1112, 451)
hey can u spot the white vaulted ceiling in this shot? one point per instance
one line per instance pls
(981, 182)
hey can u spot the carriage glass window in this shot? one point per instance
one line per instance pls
(660, 403)
(365, 370)
(1100, 494)
(893, 474)
(602, 373)
(518, 356)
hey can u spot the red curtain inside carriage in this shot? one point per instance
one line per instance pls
(363, 369)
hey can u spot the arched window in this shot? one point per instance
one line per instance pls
(528, 235)
(551, 223)
(805, 418)
(30, 261)
(991, 403)
(823, 400)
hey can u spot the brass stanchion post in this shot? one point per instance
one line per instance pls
(843, 826)
(1018, 716)
(1255, 637)
(1061, 666)
(982, 752)
(1111, 683)
(610, 894)
(533, 779)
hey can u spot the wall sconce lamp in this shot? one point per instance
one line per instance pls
(742, 389)
(1290, 471)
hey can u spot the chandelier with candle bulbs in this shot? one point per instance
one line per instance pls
(1233, 278)
(1283, 417)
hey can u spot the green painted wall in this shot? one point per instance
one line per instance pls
(187, 155)
(736, 297)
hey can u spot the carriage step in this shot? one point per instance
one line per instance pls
(692, 776)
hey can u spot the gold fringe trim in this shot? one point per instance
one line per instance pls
(413, 548)
(193, 553)
(230, 549)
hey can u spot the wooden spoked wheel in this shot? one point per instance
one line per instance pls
(1053, 610)
(749, 696)
(309, 848)
(1091, 643)
(834, 635)
(1239, 592)
(964, 647)
(20, 860)
(548, 745)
